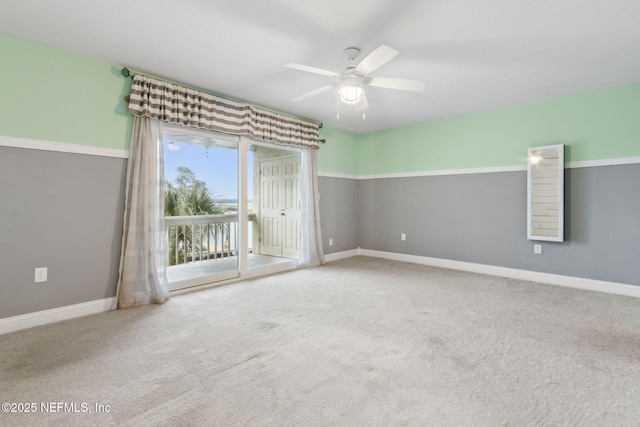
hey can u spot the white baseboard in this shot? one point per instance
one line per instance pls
(29, 320)
(341, 255)
(24, 321)
(512, 273)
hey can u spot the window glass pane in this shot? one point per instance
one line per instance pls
(201, 208)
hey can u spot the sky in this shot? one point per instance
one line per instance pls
(217, 166)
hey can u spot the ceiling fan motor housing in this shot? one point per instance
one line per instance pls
(352, 53)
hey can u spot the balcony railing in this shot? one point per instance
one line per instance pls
(202, 237)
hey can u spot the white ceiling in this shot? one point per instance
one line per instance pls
(473, 55)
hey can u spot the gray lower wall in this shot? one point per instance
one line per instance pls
(481, 218)
(64, 212)
(339, 213)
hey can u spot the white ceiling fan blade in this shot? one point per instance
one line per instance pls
(312, 70)
(394, 83)
(362, 104)
(376, 59)
(313, 93)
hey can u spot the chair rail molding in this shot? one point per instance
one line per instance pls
(61, 147)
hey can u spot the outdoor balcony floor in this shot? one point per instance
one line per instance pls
(211, 267)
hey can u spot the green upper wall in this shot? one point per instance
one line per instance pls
(51, 94)
(594, 125)
(339, 154)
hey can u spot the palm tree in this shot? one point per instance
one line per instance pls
(190, 197)
(170, 201)
(198, 200)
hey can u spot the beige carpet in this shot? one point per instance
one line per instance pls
(359, 342)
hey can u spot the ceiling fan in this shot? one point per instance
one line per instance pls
(353, 79)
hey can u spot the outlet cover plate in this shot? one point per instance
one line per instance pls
(40, 275)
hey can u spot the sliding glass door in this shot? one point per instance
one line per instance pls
(201, 207)
(232, 207)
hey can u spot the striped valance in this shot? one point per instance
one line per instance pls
(171, 103)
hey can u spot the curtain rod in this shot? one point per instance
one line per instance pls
(126, 73)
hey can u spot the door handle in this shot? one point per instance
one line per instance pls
(282, 213)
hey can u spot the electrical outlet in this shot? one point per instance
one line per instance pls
(330, 242)
(40, 275)
(403, 237)
(537, 249)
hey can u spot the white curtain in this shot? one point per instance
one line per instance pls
(143, 271)
(311, 253)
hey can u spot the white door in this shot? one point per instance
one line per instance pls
(270, 195)
(280, 207)
(291, 207)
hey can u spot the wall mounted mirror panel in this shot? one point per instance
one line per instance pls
(545, 193)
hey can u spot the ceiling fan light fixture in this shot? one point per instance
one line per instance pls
(350, 91)
(354, 78)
